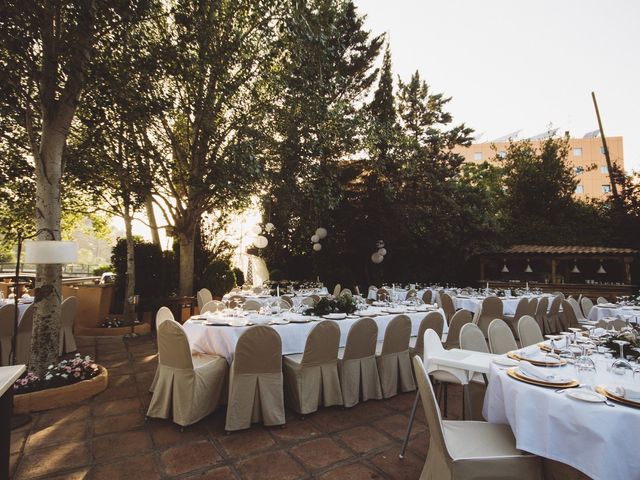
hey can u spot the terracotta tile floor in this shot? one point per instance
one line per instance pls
(107, 437)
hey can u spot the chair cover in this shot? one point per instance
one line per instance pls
(601, 300)
(213, 306)
(529, 331)
(469, 450)
(188, 387)
(203, 296)
(533, 306)
(6, 333)
(357, 367)
(541, 312)
(394, 361)
(162, 314)
(287, 299)
(312, 379)
(577, 311)
(255, 383)
(69, 308)
(432, 320)
(456, 322)
(568, 317)
(552, 319)
(252, 305)
(23, 340)
(411, 293)
(447, 306)
(501, 339)
(308, 301)
(336, 290)
(345, 291)
(383, 294)
(490, 310)
(512, 320)
(586, 305)
(472, 338)
(427, 296)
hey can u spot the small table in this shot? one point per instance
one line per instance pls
(8, 376)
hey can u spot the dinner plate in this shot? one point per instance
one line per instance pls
(537, 363)
(611, 395)
(587, 396)
(279, 321)
(335, 316)
(394, 310)
(505, 362)
(514, 373)
(300, 320)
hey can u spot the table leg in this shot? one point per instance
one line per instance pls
(467, 401)
(6, 407)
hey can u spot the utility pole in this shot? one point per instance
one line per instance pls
(614, 188)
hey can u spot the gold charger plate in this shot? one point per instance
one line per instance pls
(512, 372)
(537, 363)
(616, 398)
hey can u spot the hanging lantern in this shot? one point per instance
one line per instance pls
(256, 229)
(261, 241)
(269, 227)
(321, 232)
(382, 251)
(317, 247)
(315, 238)
(575, 268)
(528, 269)
(601, 269)
(377, 258)
(505, 269)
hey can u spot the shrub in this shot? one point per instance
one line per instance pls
(218, 277)
(239, 276)
(102, 269)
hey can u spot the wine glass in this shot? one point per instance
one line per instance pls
(620, 366)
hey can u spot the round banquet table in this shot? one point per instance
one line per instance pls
(473, 304)
(630, 313)
(222, 340)
(591, 437)
(266, 300)
(399, 294)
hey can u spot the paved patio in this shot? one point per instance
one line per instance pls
(108, 438)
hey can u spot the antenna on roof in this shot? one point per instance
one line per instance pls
(509, 136)
(544, 135)
(593, 134)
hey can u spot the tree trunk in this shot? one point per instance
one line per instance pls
(153, 224)
(130, 282)
(46, 320)
(187, 246)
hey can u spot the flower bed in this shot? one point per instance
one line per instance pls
(66, 372)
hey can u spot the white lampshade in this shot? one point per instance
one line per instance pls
(382, 251)
(601, 269)
(505, 269)
(315, 238)
(317, 247)
(321, 232)
(377, 258)
(575, 268)
(257, 229)
(269, 226)
(261, 241)
(528, 269)
(50, 251)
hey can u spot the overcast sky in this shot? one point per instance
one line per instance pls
(512, 65)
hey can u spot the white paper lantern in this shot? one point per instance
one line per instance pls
(382, 251)
(269, 227)
(377, 258)
(261, 241)
(317, 247)
(256, 229)
(315, 238)
(321, 232)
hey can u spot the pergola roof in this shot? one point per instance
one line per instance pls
(569, 250)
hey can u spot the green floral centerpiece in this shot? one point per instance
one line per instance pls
(628, 334)
(326, 305)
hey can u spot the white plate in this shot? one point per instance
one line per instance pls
(586, 396)
(335, 316)
(395, 310)
(278, 321)
(556, 381)
(505, 361)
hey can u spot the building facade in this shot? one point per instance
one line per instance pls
(586, 156)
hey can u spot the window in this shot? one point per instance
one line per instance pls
(477, 156)
(502, 154)
(606, 188)
(577, 152)
(579, 189)
(579, 170)
(601, 150)
(604, 169)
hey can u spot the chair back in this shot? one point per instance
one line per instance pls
(383, 294)
(618, 324)
(559, 294)
(576, 308)
(601, 300)
(361, 339)
(427, 296)
(543, 306)
(568, 319)
(533, 306)
(163, 314)
(173, 346)
(521, 309)
(397, 335)
(529, 331)
(472, 338)
(259, 350)
(490, 310)
(336, 290)
(501, 339)
(554, 308)
(288, 299)
(308, 301)
(23, 340)
(411, 293)
(345, 291)
(460, 318)
(586, 305)
(203, 296)
(68, 310)
(213, 306)
(252, 305)
(322, 344)
(447, 306)
(432, 320)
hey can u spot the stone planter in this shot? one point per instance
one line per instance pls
(141, 329)
(61, 396)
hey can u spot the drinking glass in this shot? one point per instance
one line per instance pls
(620, 366)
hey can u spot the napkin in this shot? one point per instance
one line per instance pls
(541, 373)
(629, 393)
(606, 305)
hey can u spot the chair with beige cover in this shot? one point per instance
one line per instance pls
(586, 305)
(469, 449)
(446, 302)
(23, 340)
(601, 300)
(337, 289)
(411, 293)
(553, 323)
(345, 291)
(529, 331)
(7, 313)
(258, 290)
(427, 296)
(311, 378)
(382, 294)
(288, 299)
(577, 310)
(501, 339)
(213, 306)
(568, 317)
(532, 308)
(68, 311)
(255, 382)
(512, 320)
(541, 312)
(162, 315)
(308, 301)
(203, 296)
(252, 305)
(189, 386)
(472, 338)
(357, 364)
(432, 320)
(490, 310)
(460, 318)
(393, 359)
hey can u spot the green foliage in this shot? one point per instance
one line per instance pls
(239, 274)
(325, 306)
(101, 269)
(218, 277)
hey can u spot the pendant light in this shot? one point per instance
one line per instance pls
(505, 269)
(528, 269)
(575, 268)
(601, 269)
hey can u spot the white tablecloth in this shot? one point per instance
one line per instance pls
(596, 439)
(266, 300)
(22, 307)
(473, 304)
(222, 340)
(630, 313)
(399, 294)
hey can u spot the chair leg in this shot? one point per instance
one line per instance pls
(466, 402)
(446, 397)
(410, 425)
